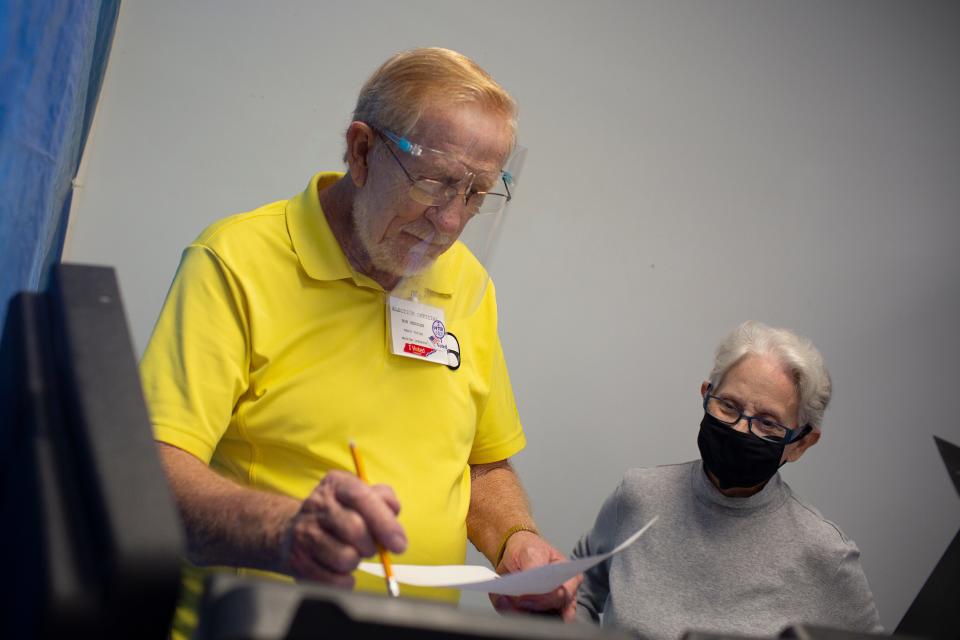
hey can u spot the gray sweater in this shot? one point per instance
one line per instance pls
(748, 566)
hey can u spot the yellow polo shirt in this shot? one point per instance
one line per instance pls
(270, 355)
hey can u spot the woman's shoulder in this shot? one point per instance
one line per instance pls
(816, 529)
(650, 485)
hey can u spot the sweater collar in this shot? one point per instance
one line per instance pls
(769, 498)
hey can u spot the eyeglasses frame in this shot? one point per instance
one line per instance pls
(406, 146)
(793, 435)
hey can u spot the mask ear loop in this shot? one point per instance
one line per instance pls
(803, 434)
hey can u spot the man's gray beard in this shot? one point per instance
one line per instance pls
(381, 255)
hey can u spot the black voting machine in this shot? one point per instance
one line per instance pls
(91, 538)
(89, 535)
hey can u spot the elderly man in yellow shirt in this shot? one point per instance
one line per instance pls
(351, 312)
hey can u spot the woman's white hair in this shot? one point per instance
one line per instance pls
(797, 354)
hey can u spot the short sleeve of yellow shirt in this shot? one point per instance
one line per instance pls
(270, 355)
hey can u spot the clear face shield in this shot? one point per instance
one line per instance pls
(445, 274)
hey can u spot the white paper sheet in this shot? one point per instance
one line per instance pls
(476, 578)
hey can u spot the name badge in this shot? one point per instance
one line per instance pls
(417, 330)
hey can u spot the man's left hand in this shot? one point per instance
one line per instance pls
(527, 550)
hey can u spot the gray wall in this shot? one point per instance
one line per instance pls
(692, 164)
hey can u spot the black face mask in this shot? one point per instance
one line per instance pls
(737, 459)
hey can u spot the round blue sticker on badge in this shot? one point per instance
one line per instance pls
(438, 329)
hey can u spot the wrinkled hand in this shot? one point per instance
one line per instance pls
(339, 523)
(526, 550)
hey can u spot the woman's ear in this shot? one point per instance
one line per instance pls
(795, 449)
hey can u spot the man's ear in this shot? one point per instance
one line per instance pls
(703, 388)
(360, 138)
(794, 450)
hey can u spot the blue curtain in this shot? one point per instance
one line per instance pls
(52, 57)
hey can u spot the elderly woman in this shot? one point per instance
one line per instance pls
(734, 550)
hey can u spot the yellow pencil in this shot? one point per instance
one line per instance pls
(393, 588)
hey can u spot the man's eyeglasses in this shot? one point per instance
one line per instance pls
(765, 428)
(435, 193)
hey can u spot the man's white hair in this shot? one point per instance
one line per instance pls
(799, 357)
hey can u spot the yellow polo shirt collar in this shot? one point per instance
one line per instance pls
(316, 247)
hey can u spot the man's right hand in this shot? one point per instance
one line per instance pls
(339, 523)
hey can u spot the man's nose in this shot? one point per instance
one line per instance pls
(742, 425)
(446, 218)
